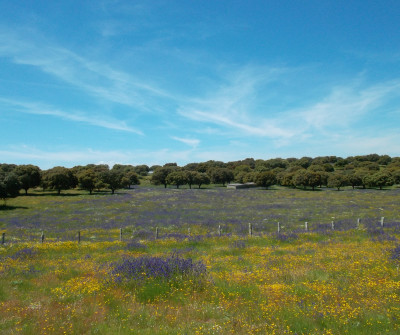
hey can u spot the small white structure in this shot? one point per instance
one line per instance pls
(237, 186)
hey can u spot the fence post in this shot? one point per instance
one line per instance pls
(3, 238)
(120, 234)
(358, 223)
(382, 218)
(42, 238)
(219, 230)
(156, 233)
(306, 226)
(79, 236)
(333, 225)
(279, 228)
(250, 229)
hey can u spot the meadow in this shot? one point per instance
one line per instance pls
(192, 279)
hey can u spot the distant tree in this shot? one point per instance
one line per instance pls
(177, 178)
(338, 180)
(300, 178)
(221, 176)
(142, 170)
(380, 179)
(384, 160)
(160, 175)
(242, 168)
(313, 179)
(112, 179)
(29, 176)
(87, 179)
(190, 177)
(201, 178)
(355, 179)
(285, 178)
(240, 177)
(130, 178)
(6, 168)
(191, 167)
(265, 179)
(9, 186)
(170, 165)
(155, 167)
(304, 162)
(58, 178)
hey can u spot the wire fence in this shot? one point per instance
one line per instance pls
(375, 227)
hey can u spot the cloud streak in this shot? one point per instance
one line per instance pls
(189, 141)
(94, 120)
(95, 78)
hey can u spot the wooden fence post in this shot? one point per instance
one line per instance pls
(156, 233)
(382, 218)
(42, 238)
(250, 229)
(79, 236)
(333, 225)
(279, 228)
(3, 238)
(120, 234)
(306, 226)
(219, 230)
(358, 223)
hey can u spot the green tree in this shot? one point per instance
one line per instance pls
(9, 186)
(130, 178)
(221, 176)
(112, 179)
(380, 179)
(87, 179)
(58, 178)
(177, 178)
(190, 177)
(313, 179)
(266, 179)
(29, 176)
(160, 175)
(300, 178)
(201, 178)
(338, 180)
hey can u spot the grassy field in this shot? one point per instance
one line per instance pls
(191, 280)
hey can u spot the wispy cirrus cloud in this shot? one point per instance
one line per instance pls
(42, 109)
(346, 105)
(189, 141)
(239, 106)
(236, 104)
(92, 77)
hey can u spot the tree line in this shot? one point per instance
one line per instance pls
(357, 171)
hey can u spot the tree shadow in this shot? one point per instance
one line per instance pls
(9, 208)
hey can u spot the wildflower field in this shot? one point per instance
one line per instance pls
(195, 278)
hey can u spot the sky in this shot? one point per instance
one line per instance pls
(152, 82)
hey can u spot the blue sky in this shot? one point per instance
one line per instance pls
(151, 82)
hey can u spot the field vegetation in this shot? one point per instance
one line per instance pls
(156, 260)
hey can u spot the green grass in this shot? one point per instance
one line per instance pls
(319, 282)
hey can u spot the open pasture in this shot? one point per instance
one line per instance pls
(192, 281)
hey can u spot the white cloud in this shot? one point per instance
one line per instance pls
(95, 78)
(235, 105)
(345, 105)
(94, 120)
(189, 141)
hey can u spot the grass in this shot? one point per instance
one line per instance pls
(318, 282)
